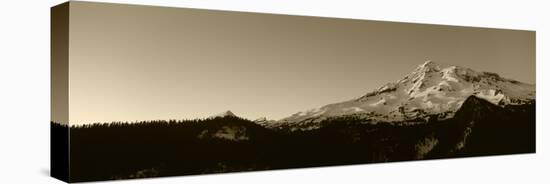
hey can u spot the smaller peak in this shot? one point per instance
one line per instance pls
(227, 113)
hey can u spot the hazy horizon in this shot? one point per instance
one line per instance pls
(133, 63)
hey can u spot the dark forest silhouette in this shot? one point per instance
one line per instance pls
(121, 150)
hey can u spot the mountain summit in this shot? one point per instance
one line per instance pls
(227, 113)
(431, 89)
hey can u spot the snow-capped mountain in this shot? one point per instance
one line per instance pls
(431, 89)
(227, 113)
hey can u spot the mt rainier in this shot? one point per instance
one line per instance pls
(431, 90)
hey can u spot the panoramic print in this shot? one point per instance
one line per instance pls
(143, 91)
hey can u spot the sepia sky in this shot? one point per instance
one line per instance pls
(132, 63)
